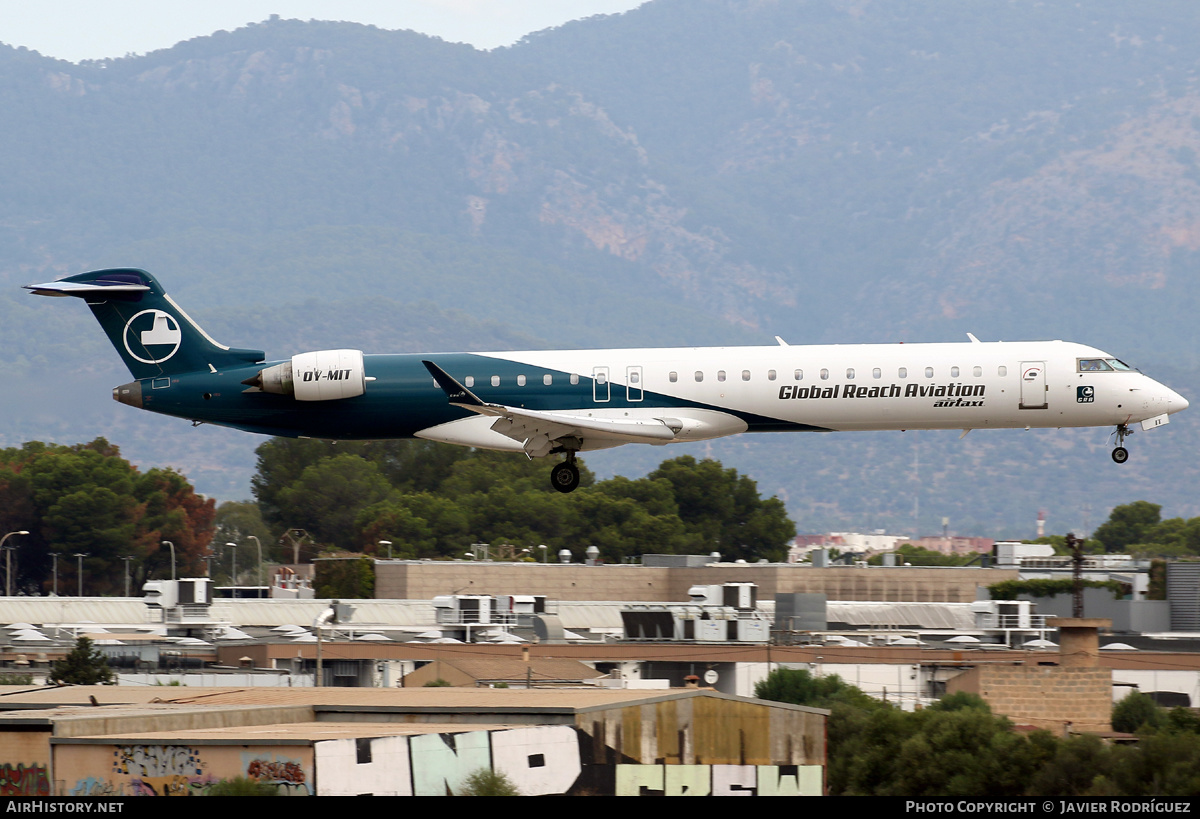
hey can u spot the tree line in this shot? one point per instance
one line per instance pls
(429, 500)
(87, 500)
(958, 747)
(432, 501)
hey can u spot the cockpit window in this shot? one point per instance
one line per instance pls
(1094, 365)
(1118, 364)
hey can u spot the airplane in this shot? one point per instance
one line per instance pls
(551, 402)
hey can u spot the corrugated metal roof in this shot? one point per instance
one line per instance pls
(901, 615)
(298, 732)
(512, 668)
(535, 699)
(458, 697)
(100, 610)
(420, 613)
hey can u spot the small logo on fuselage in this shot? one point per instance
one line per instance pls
(1085, 395)
(155, 335)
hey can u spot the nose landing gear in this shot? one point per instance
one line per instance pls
(1121, 454)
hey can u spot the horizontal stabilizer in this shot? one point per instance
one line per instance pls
(84, 289)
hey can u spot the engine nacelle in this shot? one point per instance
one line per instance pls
(325, 375)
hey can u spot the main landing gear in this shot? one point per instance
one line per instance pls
(565, 476)
(1121, 454)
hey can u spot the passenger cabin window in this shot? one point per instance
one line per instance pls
(929, 372)
(977, 371)
(876, 373)
(635, 377)
(850, 373)
(520, 381)
(547, 379)
(720, 375)
(770, 375)
(745, 375)
(469, 381)
(602, 377)
(574, 378)
(1002, 370)
(824, 374)
(902, 372)
(699, 376)
(799, 375)
(672, 376)
(954, 372)
(495, 381)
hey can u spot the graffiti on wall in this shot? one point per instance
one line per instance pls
(22, 780)
(538, 761)
(286, 774)
(541, 760)
(718, 780)
(179, 770)
(91, 786)
(160, 770)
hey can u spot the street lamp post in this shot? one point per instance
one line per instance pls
(8, 561)
(233, 576)
(172, 545)
(260, 577)
(79, 556)
(54, 555)
(387, 543)
(127, 558)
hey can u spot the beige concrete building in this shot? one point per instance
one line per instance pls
(1065, 693)
(426, 579)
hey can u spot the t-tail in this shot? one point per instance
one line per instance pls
(152, 334)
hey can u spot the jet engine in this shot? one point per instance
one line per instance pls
(325, 375)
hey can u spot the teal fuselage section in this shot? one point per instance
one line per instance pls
(401, 399)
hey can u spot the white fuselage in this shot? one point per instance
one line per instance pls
(725, 390)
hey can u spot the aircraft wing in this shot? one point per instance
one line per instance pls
(538, 430)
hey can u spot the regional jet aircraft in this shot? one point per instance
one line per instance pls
(568, 401)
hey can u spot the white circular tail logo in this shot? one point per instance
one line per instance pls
(155, 333)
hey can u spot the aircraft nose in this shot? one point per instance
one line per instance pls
(1173, 401)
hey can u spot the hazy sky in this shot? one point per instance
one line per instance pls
(89, 29)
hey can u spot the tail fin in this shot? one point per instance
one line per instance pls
(152, 333)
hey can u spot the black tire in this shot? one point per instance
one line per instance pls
(564, 477)
(1120, 455)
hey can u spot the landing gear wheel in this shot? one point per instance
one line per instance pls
(1121, 454)
(564, 477)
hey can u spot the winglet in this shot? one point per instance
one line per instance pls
(455, 392)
